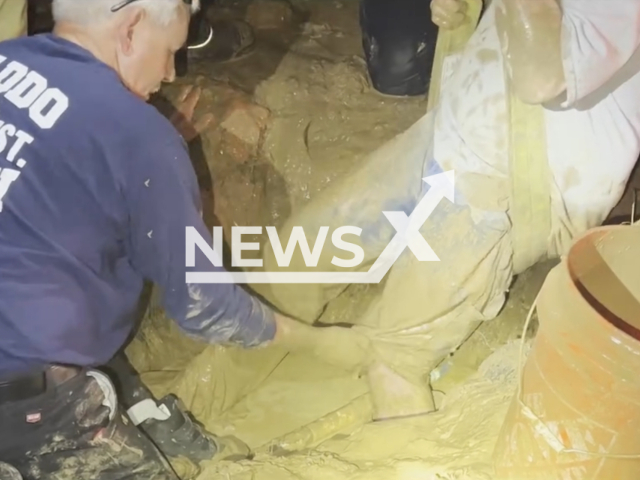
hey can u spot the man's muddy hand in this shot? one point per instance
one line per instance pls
(346, 348)
(182, 118)
(448, 14)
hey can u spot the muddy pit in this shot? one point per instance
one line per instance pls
(290, 119)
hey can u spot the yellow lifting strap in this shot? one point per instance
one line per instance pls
(530, 200)
(450, 42)
(530, 204)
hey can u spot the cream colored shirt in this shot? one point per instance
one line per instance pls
(593, 139)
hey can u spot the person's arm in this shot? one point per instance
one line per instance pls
(162, 197)
(531, 36)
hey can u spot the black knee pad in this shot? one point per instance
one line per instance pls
(399, 41)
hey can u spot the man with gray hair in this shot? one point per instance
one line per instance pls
(96, 194)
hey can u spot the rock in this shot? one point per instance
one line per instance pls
(242, 130)
(237, 200)
(269, 14)
(246, 121)
(259, 114)
(236, 149)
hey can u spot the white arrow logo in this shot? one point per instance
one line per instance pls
(407, 235)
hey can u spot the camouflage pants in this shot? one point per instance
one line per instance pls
(75, 431)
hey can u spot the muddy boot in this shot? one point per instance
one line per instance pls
(7, 472)
(180, 436)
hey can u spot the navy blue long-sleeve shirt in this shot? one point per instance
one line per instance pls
(96, 192)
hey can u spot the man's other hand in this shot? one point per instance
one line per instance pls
(182, 118)
(448, 14)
